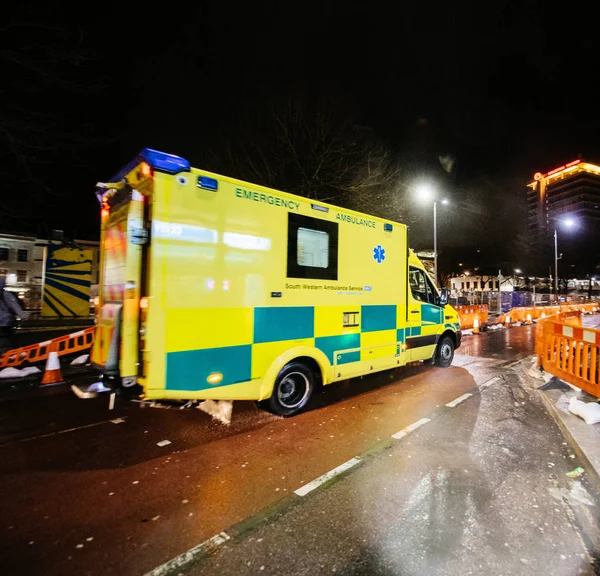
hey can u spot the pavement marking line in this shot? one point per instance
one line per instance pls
(458, 400)
(187, 558)
(327, 476)
(65, 431)
(410, 428)
(490, 382)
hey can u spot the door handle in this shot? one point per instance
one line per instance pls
(414, 311)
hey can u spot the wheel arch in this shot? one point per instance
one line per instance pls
(314, 357)
(452, 335)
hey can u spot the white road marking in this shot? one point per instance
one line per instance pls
(410, 428)
(188, 557)
(490, 382)
(458, 400)
(327, 476)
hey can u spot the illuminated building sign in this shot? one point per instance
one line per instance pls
(561, 168)
(539, 175)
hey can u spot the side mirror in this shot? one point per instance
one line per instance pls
(444, 296)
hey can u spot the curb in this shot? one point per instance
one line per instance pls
(592, 473)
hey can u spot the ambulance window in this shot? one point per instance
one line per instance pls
(418, 287)
(312, 248)
(433, 295)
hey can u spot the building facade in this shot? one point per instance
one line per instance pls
(470, 283)
(22, 261)
(571, 190)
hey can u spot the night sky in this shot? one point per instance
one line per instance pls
(505, 91)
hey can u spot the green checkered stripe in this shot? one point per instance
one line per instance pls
(187, 370)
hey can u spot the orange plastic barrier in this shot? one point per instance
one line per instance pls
(68, 344)
(537, 312)
(569, 351)
(468, 314)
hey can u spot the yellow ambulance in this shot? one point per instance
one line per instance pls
(215, 288)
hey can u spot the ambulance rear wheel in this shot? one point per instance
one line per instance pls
(444, 353)
(293, 389)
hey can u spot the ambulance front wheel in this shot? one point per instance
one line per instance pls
(293, 389)
(444, 353)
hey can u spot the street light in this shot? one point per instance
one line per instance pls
(569, 223)
(517, 270)
(426, 193)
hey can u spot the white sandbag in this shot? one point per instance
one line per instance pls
(30, 370)
(80, 360)
(588, 411)
(11, 373)
(219, 410)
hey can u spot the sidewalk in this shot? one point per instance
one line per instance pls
(556, 394)
(584, 437)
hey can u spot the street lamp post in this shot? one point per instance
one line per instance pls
(435, 275)
(555, 266)
(427, 193)
(568, 222)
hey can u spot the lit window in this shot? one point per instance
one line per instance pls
(313, 248)
(21, 275)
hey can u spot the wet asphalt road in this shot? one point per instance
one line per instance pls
(88, 491)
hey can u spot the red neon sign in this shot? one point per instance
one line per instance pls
(563, 167)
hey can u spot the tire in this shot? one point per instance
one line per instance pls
(444, 353)
(292, 391)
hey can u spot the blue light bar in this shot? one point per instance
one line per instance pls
(388, 227)
(165, 162)
(157, 160)
(208, 183)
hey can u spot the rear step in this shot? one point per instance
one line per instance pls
(89, 390)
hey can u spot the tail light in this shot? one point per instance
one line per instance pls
(143, 318)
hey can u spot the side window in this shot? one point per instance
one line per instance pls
(421, 287)
(418, 287)
(433, 295)
(312, 248)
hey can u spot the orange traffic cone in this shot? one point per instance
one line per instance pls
(52, 374)
(507, 322)
(529, 320)
(476, 325)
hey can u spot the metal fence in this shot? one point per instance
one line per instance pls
(514, 299)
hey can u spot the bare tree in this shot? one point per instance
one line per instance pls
(306, 147)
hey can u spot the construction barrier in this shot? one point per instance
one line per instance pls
(569, 351)
(469, 314)
(67, 344)
(527, 315)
